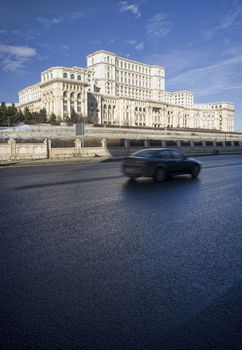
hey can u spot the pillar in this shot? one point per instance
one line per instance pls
(12, 144)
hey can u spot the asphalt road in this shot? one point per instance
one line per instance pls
(91, 261)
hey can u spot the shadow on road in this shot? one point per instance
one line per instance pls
(146, 190)
(71, 182)
(150, 185)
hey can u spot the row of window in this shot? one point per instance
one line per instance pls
(217, 106)
(133, 67)
(72, 76)
(65, 76)
(72, 95)
(129, 65)
(71, 106)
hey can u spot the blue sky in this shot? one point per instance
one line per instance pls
(199, 42)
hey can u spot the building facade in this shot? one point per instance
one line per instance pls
(113, 90)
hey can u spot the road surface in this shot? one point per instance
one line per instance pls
(90, 260)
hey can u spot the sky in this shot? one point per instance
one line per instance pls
(198, 42)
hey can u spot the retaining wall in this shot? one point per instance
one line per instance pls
(13, 150)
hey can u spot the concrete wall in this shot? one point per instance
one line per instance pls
(30, 151)
(5, 151)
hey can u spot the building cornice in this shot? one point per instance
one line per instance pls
(63, 80)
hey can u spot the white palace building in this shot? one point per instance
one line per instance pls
(113, 90)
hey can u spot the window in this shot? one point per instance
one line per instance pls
(145, 153)
(72, 76)
(64, 75)
(79, 77)
(176, 155)
(164, 154)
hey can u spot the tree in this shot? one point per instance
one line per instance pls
(74, 116)
(3, 114)
(13, 115)
(66, 119)
(29, 118)
(42, 116)
(9, 115)
(20, 116)
(53, 119)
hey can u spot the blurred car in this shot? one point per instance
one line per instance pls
(159, 164)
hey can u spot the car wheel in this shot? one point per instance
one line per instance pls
(195, 171)
(160, 175)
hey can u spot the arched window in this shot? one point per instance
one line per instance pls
(65, 75)
(79, 77)
(72, 76)
(79, 96)
(72, 95)
(65, 94)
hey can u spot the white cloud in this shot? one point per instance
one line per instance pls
(158, 26)
(210, 74)
(137, 45)
(131, 42)
(97, 42)
(21, 51)
(133, 8)
(3, 31)
(12, 65)
(211, 79)
(111, 41)
(66, 47)
(176, 60)
(228, 21)
(16, 32)
(69, 17)
(140, 46)
(13, 58)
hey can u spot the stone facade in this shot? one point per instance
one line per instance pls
(113, 90)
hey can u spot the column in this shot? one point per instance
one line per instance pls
(12, 144)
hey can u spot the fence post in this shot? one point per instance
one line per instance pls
(192, 146)
(146, 143)
(127, 146)
(104, 144)
(46, 147)
(78, 144)
(204, 146)
(49, 149)
(12, 144)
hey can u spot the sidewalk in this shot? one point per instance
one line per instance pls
(40, 162)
